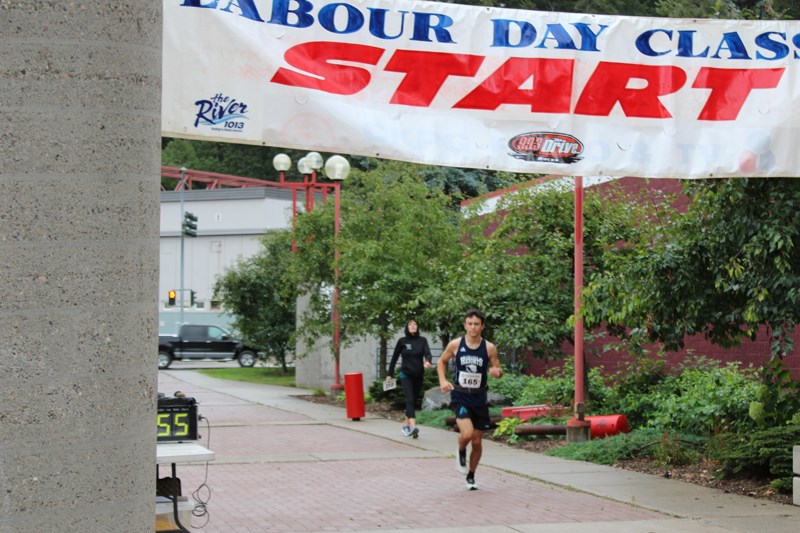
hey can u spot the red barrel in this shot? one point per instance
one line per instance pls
(605, 425)
(354, 395)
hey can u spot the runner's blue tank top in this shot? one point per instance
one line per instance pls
(471, 370)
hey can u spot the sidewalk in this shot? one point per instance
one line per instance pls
(287, 465)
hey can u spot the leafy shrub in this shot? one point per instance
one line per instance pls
(674, 450)
(536, 390)
(705, 401)
(510, 386)
(506, 427)
(777, 400)
(557, 387)
(635, 389)
(598, 392)
(782, 485)
(667, 448)
(767, 453)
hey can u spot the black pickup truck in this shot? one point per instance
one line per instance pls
(203, 343)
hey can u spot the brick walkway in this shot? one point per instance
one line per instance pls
(280, 471)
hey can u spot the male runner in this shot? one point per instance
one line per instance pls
(475, 357)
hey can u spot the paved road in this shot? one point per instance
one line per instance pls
(287, 465)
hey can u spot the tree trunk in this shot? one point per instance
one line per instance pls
(382, 357)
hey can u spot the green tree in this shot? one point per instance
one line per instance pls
(243, 160)
(251, 161)
(728, 9)
(519, 264)
(260, 296)
(726, 266)
(461, 184)
(396, 237)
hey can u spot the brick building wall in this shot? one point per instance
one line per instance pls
(751, 353)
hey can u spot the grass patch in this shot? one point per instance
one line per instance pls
(256, 374)
(436, 419)
(433, 419)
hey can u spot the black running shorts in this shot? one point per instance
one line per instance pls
(478, 415)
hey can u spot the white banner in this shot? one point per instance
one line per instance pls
(479, 87)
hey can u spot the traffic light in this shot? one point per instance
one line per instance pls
(189, 226)
(171, 297)
(192, 295)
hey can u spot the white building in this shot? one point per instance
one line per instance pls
(230, 225)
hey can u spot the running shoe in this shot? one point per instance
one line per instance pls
(414, 432)
(461, 461)
(471, 485)
(406, 431)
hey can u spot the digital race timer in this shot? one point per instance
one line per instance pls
(176, 419)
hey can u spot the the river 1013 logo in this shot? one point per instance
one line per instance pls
(546, 146)
(221, 113)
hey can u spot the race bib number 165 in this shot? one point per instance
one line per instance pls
(469, 380)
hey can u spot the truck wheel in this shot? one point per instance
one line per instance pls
(164, 360)
(247, 358)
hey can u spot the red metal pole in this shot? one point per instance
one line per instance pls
(335, 311)
(578, 268)
(310, 198)
(307, 186)
(294, 217)
(578, 428)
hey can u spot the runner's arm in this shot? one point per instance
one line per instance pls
(397, 349)
(495, 370)
(441, 365)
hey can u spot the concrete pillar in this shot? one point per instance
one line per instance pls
(79, 184)
(314, 369)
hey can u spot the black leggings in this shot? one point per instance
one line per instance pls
(412, 387)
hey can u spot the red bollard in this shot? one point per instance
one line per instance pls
(354, 395)
(606, 425)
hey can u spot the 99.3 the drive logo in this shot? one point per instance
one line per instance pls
(546, 147)
(221, 113)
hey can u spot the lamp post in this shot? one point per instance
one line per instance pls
(314, 162)
(336, 169)
(305, 170)
(282, 163)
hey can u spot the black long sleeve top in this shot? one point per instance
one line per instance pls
(415, 352)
